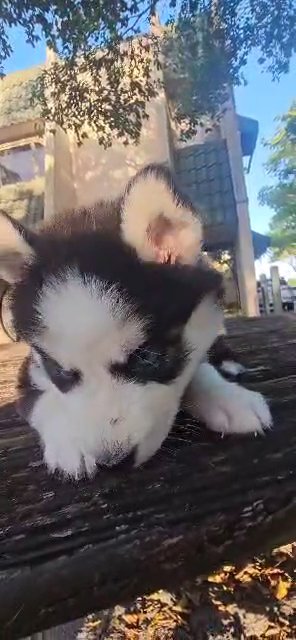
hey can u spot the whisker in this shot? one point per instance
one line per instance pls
(165, 447)
(176, 440)
(167, 454)
(189, 426)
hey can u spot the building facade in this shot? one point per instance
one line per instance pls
(43, 171)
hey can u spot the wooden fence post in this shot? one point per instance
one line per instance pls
(265, 295)
(276, 289)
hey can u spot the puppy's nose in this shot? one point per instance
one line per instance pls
(127, 463)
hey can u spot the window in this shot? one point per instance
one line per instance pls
(21, 163)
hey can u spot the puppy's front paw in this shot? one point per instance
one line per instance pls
(234, 409)
(150, 445)
(225, 406)
(69, 462)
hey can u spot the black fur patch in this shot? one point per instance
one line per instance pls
(27, 393)
(153, 362)
(63, 379)
(89, 242)
(221, 352)
(167, 294)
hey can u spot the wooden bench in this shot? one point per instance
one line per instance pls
(67, 549)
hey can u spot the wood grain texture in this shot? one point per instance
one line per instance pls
(67, 549)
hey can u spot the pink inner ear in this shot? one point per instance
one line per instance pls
(164, 236)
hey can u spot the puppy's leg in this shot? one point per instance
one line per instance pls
(151, 444)
(225, 406)
(223, 358)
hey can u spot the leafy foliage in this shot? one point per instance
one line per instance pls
(196, 73)
(98, 85)
(105, 94)
(223, 260)
(282, 197)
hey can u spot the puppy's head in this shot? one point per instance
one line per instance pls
(117, 308)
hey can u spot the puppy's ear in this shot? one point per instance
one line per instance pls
(15, 248)
(157, 221)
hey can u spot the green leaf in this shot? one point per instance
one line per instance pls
(204, 48)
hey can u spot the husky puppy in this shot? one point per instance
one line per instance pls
(120, 311)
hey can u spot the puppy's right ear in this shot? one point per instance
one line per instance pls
(16, 248)
(157, 221)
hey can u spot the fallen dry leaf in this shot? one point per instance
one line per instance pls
(181, 605)
(93, 625)
(273, 631)
(247, 574)
(282, 588)
(232, 593)
(131, 618)
(217, 578)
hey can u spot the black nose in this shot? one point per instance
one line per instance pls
(126, 463)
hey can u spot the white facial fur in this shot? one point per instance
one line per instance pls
(101, 419)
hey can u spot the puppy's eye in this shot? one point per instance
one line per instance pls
(63, 379)
(149, 359)
(151, 363)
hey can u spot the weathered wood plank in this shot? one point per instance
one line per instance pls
(266, 346)
(67, 549)
(279, 324)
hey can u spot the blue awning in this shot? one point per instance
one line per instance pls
(260, 243)
(249, 129)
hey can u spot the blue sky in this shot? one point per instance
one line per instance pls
(261, 99)
(23, 54)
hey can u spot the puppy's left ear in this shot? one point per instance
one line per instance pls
(16, 248)
(157, 221)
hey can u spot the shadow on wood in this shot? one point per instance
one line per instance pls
(67, 549)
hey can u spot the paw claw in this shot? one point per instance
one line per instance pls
(243, 411)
